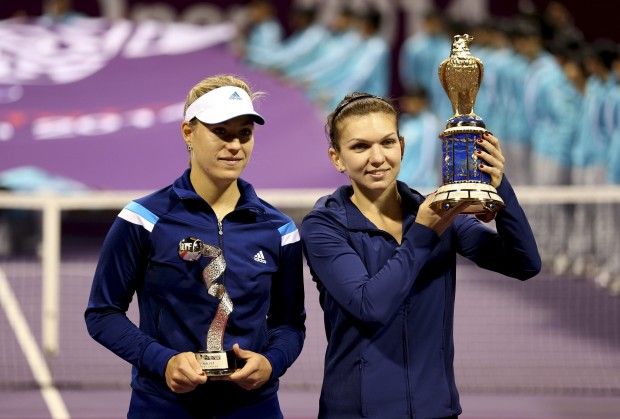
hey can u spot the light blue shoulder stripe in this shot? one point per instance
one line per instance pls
(287, 228)
(142, 212)
(289, 233)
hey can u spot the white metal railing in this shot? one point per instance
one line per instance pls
(53, 204)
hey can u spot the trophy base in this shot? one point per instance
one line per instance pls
(217, 363)
(482, 197)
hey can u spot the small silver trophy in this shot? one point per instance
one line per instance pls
(214, 360)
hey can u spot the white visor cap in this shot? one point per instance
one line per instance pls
(222, 104)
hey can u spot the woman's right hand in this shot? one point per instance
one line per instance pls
(440, 220)
(183, 373)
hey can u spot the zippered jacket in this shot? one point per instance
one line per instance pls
(263, 277)
(389, 308)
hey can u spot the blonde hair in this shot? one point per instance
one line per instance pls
(215, 82)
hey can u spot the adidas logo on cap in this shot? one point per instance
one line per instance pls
(235, 96)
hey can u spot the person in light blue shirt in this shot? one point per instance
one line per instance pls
(481, 49)
(589, 152)
(367, 69)
(589, 158)
(573, 65)
(499, 80)
(302, 46)
(612, 126)
(419, 60)
(421, 164)
(551, 114)
(517, 142)
(264, 33)
(613, 156)
(331, 54)
(607, 224)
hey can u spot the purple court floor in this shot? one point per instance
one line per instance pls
(548, 348)
(111, 404)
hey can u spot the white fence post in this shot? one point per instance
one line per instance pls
(50, 260)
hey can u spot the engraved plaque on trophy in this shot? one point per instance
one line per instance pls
(462, 180)
(214, 360)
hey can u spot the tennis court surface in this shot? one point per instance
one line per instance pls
(548, 348)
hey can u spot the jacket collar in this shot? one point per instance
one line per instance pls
(184, 189)
(339, 204)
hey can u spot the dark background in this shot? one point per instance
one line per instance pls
(592, 21)
(590, 17)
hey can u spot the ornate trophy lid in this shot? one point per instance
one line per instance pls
(461, 76)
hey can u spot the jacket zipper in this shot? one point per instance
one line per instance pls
(220, 231)
(220, 234)
(406, 361)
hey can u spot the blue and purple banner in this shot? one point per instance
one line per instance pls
(101, 103)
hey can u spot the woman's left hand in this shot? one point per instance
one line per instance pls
(492, 155)
(255, 372)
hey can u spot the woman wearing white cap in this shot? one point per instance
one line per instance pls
(164, 248)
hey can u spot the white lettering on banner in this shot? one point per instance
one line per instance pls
(64, 126)
(141, 118)
(98, 124)
(71, 52)
(52, 127)
(60, 54)
(154, 38)
(6, 131)
(171, 113)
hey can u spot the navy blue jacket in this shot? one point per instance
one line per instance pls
(140, 256)
(389, 308)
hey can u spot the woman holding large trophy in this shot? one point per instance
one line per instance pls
(217, 272)
(384, 256)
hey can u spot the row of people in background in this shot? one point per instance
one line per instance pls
(328, 60)
(553, 101)
(552, 98)
(347, 55)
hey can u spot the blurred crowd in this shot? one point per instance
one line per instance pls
(551, 96)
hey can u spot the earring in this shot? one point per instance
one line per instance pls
(342, 169)
(189, 147)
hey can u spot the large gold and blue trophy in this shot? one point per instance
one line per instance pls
(462, 180)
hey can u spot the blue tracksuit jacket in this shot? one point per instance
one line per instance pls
(389, 308)
(140, 256)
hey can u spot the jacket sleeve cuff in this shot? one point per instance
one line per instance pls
(505, 190)
(277, 358)
(422, 236)
(155, 358)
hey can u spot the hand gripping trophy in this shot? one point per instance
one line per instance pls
(214, 360)
(462, 181)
